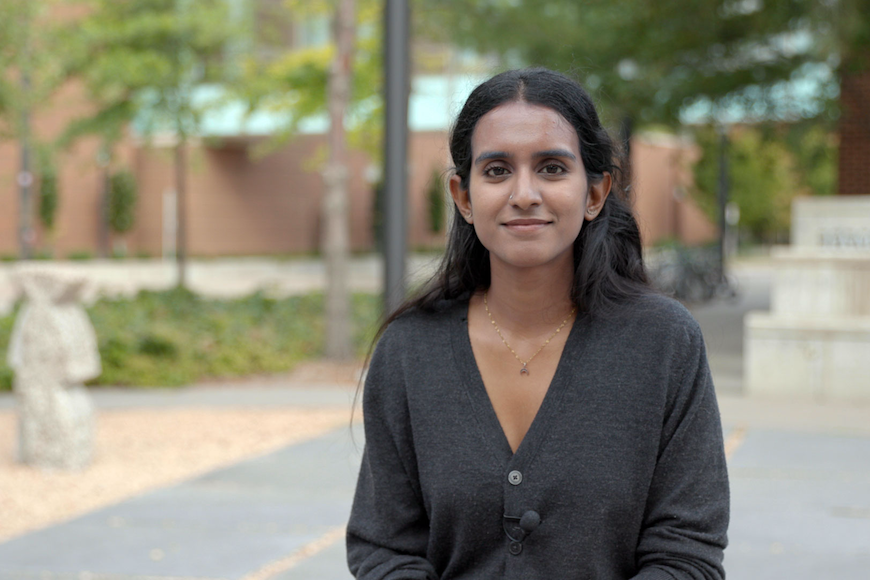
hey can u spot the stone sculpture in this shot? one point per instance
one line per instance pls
(53, 350)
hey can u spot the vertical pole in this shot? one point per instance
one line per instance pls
(25, 177)
(181, 209)
(103, 218)
(25, 180)
(723, 196)
(397, 88)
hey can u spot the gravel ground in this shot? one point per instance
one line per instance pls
(141, 449)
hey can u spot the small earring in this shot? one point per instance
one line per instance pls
(590, 211)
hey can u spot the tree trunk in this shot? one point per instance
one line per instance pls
(181, 211)
(103, 232)
(335, 241)
(26, 234)
(25, 181)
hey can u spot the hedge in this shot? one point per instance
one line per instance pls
(173, 338)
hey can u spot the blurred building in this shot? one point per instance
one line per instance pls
(243, 204)
(239, 205)
(854, 163)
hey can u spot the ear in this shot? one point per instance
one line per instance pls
(598, 193)
(461, 198)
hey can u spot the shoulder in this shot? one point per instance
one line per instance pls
(652, 330)
(418, 326)
(417, 337)
(654, 317)
(407, 350)
(664, 313)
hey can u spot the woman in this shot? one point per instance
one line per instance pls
(539, 413)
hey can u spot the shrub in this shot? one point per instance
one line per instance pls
(48, 197)
(122, 201)
(175, 337)
(80, 255)
(437, 202)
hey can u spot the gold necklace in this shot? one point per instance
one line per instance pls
(524, 370)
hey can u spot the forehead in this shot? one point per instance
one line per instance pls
(519, 125)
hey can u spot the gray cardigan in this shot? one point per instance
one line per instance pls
(621, 475)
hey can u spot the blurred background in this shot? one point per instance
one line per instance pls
(217, 173)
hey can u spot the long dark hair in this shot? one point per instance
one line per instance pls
(608, 258)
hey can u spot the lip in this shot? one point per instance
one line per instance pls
(527, 222)
(526, 225)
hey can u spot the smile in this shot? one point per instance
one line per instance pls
(526, 225)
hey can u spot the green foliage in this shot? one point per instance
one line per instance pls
(762, 177)
(48, 197)
(437, 202)
(292, 81)
(6, 323)
(80, 255)
(146, 55)
(175, 337)
(122, 201)
(651, 59)
(814, 147)
(28, 43)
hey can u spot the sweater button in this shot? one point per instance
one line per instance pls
(515, 548)
(515, 477)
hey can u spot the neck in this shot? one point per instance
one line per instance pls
(530, 300)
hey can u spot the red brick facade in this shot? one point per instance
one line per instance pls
(854, 165)
(241, 206)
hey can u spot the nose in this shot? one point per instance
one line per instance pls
(525, 192)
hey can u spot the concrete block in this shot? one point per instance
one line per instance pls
(816, 283)
(834, 222)
(822, 359)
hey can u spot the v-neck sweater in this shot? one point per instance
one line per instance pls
(623, 465)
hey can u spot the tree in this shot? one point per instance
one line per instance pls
(436, 201)
(336, 231)
(48, 195)
(342, 78)
(28, 77)
(768, 166)
(652, 60)
(145, 60)
(762, 176)
(121, 203)
(292, 80)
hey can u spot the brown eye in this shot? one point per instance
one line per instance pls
(553, 169)
(495, 171)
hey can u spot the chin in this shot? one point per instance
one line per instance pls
(529, 259)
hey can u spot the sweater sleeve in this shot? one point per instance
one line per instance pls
(686, 518)
(388, 530)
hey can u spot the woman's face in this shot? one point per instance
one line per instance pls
(527, 194)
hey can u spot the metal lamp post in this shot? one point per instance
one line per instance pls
(397, 65)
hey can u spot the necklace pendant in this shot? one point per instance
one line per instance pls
(524, 370)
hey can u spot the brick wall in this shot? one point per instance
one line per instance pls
(662, 177)
(241, 206)
(854, 164)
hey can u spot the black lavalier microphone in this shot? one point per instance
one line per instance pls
(518, 528)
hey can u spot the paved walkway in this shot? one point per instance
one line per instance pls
(799, 471)
(800, 475)
(219, 277)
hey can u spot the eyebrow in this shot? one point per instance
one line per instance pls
(486, 156)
